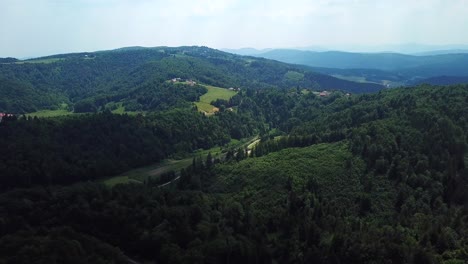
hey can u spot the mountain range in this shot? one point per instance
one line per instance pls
(390, 69)
(407, 48)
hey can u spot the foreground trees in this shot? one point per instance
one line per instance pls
(371, 179)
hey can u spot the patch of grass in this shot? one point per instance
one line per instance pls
(204, 105)
(50, 113)
(253, 144)
(118, 180)
(45, 61)
(121, 109)
(294, 76)
(243, 143)
(359, 79)
(139, 175)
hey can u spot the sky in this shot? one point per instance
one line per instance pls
(32, 28)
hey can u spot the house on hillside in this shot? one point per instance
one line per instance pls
(324, 94)
(2, 115)
(190, 82)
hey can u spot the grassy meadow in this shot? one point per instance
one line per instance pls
(204, 105)
(50, 113)
(139, 175)
(63, 110)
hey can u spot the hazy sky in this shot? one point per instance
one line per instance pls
(43, 27)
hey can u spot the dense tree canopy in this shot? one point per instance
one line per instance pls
(374, 178)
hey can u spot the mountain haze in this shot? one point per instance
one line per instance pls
(380, 61)
(389, 69)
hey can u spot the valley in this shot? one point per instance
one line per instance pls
(154, 172)
(384, 68)
(233, 131)
(193, 155)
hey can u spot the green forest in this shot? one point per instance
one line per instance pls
(136, 78)
(344, 178)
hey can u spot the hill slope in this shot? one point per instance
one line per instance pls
(380, 61)
(136, 76)
(373, 178)
(444, 80)
(399, 66)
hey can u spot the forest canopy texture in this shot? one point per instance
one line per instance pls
(372, 178)
(290, 166)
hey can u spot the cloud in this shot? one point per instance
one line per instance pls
(40, 27)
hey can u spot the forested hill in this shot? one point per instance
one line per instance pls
(137, 78)
(372, 178)
(445, 80)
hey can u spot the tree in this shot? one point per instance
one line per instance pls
(209, 160)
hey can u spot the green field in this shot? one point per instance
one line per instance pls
(121, 110)
(361, 79)
(50, 113)
(358, 79)
(139, 175)
(64, 111)
(204, 105)
(50, 60)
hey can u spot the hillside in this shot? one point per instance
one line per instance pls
(136, 77)
(370, 178)
(380, 61)
(444, 80)
(405, 68)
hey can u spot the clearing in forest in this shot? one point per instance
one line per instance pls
(139, 175)
(204, 105)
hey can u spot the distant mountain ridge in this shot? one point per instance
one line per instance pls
(444, 80)
(380, 61)
(408, 49)
(440, 52)
(386, 68)
(246, 51)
